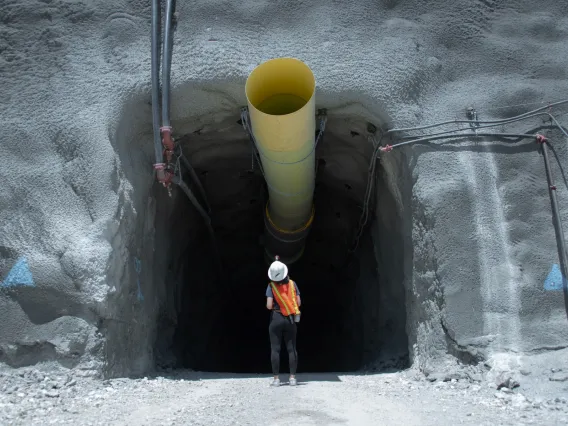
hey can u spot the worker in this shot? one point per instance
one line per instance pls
(283, 301)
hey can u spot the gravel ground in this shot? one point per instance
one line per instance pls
(31, 396)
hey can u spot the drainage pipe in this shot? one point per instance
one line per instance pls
(281, 102)
(156, 80)
(561, 245)
(166, 129)
(156, 84)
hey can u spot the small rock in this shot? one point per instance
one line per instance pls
(505, 380)
(475, 377)
(525, 372)
(519, 400)
(559, 377)
(448, 377)
(52, 394)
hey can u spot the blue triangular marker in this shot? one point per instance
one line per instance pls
(554, 279)
(20, 274)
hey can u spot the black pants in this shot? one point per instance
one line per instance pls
(281, 328)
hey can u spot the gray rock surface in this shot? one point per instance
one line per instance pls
(77, 200)
(191, 398)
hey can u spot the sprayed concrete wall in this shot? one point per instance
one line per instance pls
(77, 208)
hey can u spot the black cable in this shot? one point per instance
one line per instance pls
(559, 165)
(203, 214)
(502, 121)
(471, 135)
(470, 129)
(194, 177)
(560, 243)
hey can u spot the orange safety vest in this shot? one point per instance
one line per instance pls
(285, 295)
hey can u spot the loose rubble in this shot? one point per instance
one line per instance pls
(32, 396)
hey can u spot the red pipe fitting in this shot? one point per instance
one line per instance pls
(168, 142)
(540, 139)
(163, 175)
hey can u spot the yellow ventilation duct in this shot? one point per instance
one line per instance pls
(281, 103)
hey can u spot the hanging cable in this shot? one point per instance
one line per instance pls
(195, 179)
(502, 121)
(169, 171)
(558, 124)
(523, 104)
(388, 148)
(560, 243)
(479, 127)
(178, 181)
(371, 177)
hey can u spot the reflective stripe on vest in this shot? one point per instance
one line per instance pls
(284, 300)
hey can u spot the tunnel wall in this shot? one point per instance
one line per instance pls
(74, 213)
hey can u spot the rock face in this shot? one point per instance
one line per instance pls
(82, 258)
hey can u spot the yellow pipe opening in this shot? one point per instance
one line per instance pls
(281, 102)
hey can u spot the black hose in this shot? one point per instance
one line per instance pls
(557, 225)
(203, 214)
(167, 62)
(156, 81)
(194, 177)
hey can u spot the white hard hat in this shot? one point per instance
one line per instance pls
(277, 271)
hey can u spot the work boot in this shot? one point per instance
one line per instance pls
(293, 381)
(275, 382)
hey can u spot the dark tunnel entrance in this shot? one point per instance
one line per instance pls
(353, 307)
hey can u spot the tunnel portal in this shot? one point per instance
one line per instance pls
(353, 312)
